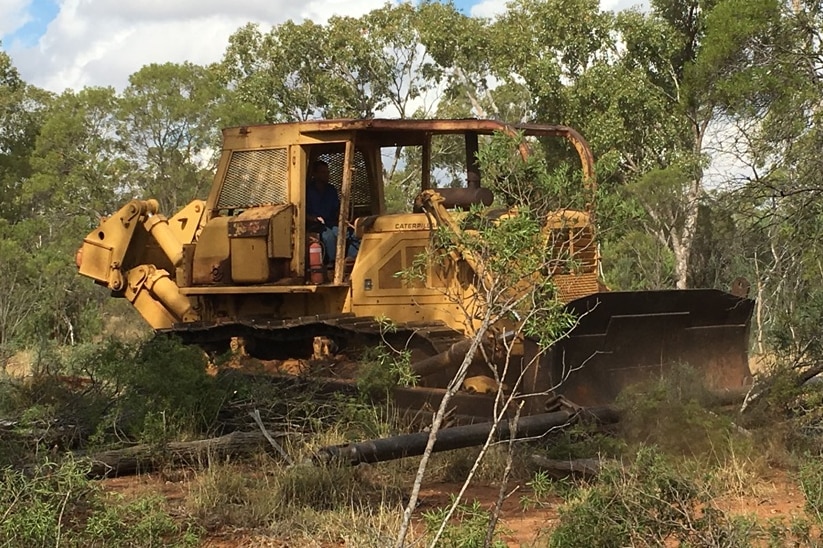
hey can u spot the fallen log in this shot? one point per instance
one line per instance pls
(407, 445)
(559, 469)
(146, 458)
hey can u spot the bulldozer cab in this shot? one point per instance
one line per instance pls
(264, 170)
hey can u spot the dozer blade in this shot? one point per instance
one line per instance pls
(625, 337)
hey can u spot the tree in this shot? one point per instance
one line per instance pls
(21, 107)
(79, 168)
(280, 72)
(644, 87)
(777, 203)
(349, 67)
(170, 128)
(691, 59)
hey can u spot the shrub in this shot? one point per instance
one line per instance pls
(674, 414)
(647, 503)
(381, 370)
(159, 388)
(110, 390)
(56, 505)
(811, 481)
(467, 528)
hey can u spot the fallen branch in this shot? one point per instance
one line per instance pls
(761, 391)
(270, 439)
(559, 469)
(146, 458)
(456, 437)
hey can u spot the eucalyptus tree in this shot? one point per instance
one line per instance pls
(170, 118)
(379, 63)
(645, 87)
(280, 72)
(783, 191)
(78, 162)
(77, 167)
(21, 109)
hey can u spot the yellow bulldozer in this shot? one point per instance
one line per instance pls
(241, 265)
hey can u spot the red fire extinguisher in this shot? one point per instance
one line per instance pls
(317, 272)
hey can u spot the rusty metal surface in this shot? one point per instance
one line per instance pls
(628, 337)
(255, 221)
(622, 338)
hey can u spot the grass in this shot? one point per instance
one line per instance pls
(671, 469)
(54, 504)
(302, 501)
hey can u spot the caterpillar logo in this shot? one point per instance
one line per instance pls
(410, 226)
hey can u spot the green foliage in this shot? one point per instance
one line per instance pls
(637, 261)
(346, 68)
(78, 161)
(149, 390)
(21, 115)
(467, 528)
(55, 504)
(543, 488)
(583, 440)
(515, 256)
(164, 390)
(530, 182)
(169, 116)
(673, 413)
(381, 369)
(646, 503)
(811, 481)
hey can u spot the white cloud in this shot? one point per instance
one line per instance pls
(13, 15)
(103, 42)
(618, 5)
(488, 8)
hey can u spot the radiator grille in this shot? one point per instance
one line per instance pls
(255, 177)
(361, 190)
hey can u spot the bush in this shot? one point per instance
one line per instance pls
(56, 505)
(165, 391)
(104, 392)
(674, 414)
(811, 481)
(647, 503)
(467, 528)
(381, 370)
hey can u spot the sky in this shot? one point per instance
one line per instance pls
(61, 44)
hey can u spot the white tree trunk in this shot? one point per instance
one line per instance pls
(683, 242)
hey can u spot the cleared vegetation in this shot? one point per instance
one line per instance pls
(677, 470)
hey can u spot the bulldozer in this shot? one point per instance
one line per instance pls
(239, 265)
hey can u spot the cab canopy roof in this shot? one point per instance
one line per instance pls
(414, 127)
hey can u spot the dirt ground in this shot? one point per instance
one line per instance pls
(775, 496)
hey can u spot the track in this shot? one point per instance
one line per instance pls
(293, 338)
